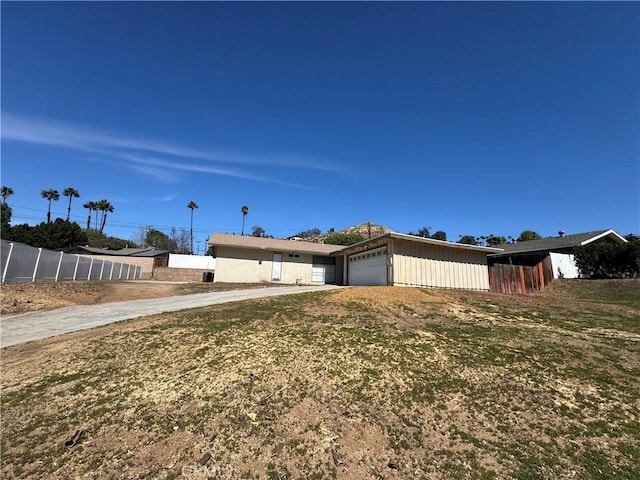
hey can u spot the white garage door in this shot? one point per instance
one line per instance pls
(368, 268)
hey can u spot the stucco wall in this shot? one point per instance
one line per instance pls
(255, 266)
(419, 264)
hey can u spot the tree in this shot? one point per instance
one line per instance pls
(71, 193)
(100, 240)
(440, 235)
(139, 236)
(105, 207)
(91, 206)
(191, 206)
(424, 232)
(5, 217)
(181, 239)
(528, 235)
(49, 195)
(245, 211)
(313, 232)
(338, 238)
(56, 235)
(468, 240)
(6, 192)
(493, 240)
(258, 231)
(161, 241)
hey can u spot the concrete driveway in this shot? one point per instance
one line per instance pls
(25, 327)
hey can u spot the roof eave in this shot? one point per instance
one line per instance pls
(607, 233)
(413, 238)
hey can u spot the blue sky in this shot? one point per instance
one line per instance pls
(472, 118)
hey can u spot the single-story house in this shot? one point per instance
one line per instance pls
(389, 259)
(248, 259)
(559, 249)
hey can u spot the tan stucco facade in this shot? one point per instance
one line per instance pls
(256, 266)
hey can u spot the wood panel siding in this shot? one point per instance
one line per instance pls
(438, 266)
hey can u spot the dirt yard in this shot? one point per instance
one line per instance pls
(358, 383)
(25, 297)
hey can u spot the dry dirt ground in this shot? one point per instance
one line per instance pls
(359, 383)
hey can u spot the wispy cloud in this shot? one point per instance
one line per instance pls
(144, 153)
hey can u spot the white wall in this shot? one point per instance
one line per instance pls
(191, 261)
(564, 265)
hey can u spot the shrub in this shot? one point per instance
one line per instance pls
(608, 259)
(343, 238)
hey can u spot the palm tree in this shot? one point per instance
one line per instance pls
(6, 192)
(244, 211)
(50, 194)
(70, 192)
(192, 205)
(91, 206)
(105, 207)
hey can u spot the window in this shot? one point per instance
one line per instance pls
(318, 260)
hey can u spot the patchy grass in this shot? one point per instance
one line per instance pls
(350, 384)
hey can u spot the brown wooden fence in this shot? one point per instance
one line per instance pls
(518, 279)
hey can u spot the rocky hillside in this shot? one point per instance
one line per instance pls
(366, 229)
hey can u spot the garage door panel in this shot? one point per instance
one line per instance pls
(368, 268)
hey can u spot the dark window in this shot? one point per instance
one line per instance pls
(318, 260)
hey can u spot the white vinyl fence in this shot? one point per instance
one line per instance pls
(202, 262)
(23, 263)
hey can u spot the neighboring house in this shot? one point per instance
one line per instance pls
(389, 259)
(148, 258)
(559, 249)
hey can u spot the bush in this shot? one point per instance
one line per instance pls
(343, 238)
(97, 239)
(608, 260)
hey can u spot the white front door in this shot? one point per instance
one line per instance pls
(317, 273)
(276, 269)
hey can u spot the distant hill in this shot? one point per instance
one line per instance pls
(367, 230)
